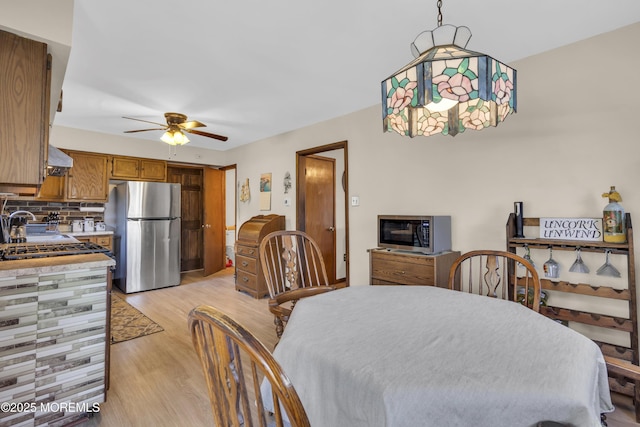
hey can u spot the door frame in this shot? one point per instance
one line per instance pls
(300, 208)
(233, 167)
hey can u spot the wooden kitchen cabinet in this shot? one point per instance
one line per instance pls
(87, 180)
(104, 240)
(249, 277)
(132, 168)
(52, 188)
(408, 268)
(25, 79)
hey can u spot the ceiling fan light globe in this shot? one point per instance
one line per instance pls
(168, 138)
(180, 138)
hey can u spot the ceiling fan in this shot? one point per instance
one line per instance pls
(176, 127)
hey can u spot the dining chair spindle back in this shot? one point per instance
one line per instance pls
(497, 274)
(293, 268)
(235, 363)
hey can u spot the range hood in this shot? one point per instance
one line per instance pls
(58, 163)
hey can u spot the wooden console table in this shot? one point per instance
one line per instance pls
(389, 267)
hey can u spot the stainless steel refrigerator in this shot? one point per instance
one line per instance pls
(148, 224)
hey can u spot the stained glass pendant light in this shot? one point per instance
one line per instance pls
(447, 88)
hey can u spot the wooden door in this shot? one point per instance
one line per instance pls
(318, 181)
(214, 220)
(190, 179)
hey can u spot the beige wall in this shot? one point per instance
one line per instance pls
(48, 22)
(574, 136)
(44, 21)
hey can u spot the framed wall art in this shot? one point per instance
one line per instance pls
(265, 192)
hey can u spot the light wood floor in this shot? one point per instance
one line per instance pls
(157, 380)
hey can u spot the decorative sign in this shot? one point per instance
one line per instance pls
(245, 194)
(587, 229)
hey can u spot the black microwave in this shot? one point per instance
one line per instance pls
(426, 234)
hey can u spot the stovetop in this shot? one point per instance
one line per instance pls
(28, 251)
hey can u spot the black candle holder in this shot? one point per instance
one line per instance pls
(517, 207)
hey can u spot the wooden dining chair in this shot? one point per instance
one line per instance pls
(235, 363)
(497, 274)
(293, 268)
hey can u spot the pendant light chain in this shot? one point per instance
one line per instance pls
(439, 13)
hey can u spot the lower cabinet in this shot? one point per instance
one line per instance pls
(55, 346)
(405, 268)
(104, 240)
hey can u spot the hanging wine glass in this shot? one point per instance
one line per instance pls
(578, 265)
(607, 269)
(527, 256)
(551, 267)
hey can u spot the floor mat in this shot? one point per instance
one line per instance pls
(127, 322)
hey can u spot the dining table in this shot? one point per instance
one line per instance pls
(400, 356)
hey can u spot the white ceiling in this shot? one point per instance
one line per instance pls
(251, 69)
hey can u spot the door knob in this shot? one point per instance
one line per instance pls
(331, 229)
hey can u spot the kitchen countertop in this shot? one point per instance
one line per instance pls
(53, 264)
(86, 233)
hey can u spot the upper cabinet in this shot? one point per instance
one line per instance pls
(25, 78)
(52, 188)
(88, 180)
(132, 168)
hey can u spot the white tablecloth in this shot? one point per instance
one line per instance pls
(424, 356)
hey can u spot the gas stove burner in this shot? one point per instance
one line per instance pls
(28, 251)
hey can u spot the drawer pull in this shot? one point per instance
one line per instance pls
(245, 263)
(245, 279)
(251, 251)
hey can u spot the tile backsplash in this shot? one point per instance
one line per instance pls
(67, 211)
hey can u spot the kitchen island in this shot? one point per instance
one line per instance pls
(54, 337)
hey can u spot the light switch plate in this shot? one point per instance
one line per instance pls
(355, 201)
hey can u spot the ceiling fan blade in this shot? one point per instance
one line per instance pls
(143, 130)
(192, 124)
(207, 134)
(146, 121)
